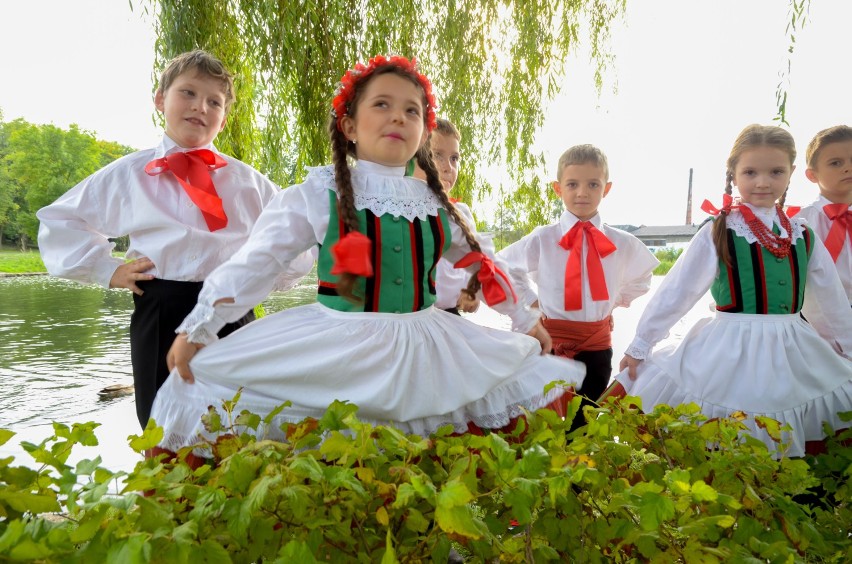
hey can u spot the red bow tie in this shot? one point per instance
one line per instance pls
(841, 224)
(599, 247)
(192, 170)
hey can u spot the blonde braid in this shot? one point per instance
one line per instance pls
(346, 204)
(720, 226)
(433, 179)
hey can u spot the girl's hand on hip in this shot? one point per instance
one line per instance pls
(179, 356)
(630, 364)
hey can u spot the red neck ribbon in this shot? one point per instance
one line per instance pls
(599, 247)
(192, 170)
(488, 272)
(841, 225)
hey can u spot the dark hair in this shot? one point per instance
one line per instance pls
(341, 148)
(201, 62)
(752, 136)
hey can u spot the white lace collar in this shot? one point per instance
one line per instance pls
(769, 217)
(383, 190)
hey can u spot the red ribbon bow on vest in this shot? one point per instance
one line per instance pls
(599, 247)
(192, 170)
(841, 225)
(491, 289)
(352, 254)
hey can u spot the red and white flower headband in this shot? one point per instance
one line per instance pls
(346, 90)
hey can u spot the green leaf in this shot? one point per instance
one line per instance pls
(534, 463)
(211, 552)
(702, 492)
(29, 502)
(151, 437)
(654, 509)
(296, 551)
(458, 520)
(5, 435)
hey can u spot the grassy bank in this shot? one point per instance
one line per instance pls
(14, 261)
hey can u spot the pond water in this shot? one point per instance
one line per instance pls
(61, 343)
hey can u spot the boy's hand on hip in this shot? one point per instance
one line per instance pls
(630, 364)
(179, 356)
(129, 273)
(540, 333)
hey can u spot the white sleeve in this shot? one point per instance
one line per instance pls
(280, 248)
(523, 318)
(685, 284)
(639, 271)
(826, 306)
(74, 232)
(522, 257)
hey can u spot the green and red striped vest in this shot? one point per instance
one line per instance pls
(404, 257)
(759, 282)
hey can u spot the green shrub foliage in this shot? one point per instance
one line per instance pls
(667, 486)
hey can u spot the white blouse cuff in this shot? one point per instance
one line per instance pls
(638, 349)
(201, 325)
(524, 322)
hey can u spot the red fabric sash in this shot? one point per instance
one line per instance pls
(192, 170)
(841, 227)
(572, 337)
(599, 247)
(488, 272)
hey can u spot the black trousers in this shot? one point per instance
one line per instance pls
(157, 313)
(598, 372)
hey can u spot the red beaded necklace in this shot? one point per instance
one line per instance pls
(775, 244)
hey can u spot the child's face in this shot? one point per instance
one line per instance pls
(762, 174)
(833, 172)
(388, 124)
(445, 153)
(194, 107)
(582, 187)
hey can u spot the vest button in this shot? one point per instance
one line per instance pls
(397, 248)
(396, 219)
(782, 282)
(779, 259)
(397, 311)
(398, 281)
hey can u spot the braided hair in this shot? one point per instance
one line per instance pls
(342, 148)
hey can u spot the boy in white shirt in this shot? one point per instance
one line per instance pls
(584, 269)
(829, 161)
(186, 207)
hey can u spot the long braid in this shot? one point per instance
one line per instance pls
(433, 180)
(720, 226)
(340, 148)
(783, 198)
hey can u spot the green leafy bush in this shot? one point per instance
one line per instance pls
(667, 258)
(628, 487)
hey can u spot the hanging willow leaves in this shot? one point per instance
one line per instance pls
(494, 66)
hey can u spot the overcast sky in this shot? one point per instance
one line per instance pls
(688, 76)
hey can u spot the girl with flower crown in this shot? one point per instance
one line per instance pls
(372, 338)
(757, 355)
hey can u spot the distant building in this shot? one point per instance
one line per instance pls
(663, 235)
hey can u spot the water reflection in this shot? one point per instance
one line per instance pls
(60, 343)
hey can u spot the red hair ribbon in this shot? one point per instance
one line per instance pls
(599, 247)
(192, 170)
(727, 205)
(352, 255)
(488, 272)
(793, 211)
(349, 84)
(841, 226)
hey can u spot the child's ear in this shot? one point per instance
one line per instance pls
(557, 188)
(812, 175)
(606, 188)
(347, 125)
(224, 121)
(159, 100)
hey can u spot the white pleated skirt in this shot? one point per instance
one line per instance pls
(772, 365)
(416, 371)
